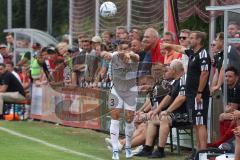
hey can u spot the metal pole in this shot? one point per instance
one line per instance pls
(9, 14)
(97, 27)
(225, 55)
(129, 14)
(27, 13)
(49, 16)
(165, 5)
(70, 22)
(212, 25)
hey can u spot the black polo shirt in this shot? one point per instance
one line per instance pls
(12, 82)
(233, 57)
(218, 58)
(233, 94)
(178, 88)
(198, 62)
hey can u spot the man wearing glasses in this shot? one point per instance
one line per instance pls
(185, 42)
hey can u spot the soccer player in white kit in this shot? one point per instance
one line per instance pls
(124, 65)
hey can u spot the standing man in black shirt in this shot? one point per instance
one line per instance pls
(197, 88)
(10, 88)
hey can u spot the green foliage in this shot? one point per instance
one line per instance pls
(194, 23)
(38, 16)
(3, 19)
(60, 17)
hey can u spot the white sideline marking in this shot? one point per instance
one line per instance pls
(48, 144)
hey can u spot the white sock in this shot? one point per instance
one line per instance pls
(114, 132)
(129, 129)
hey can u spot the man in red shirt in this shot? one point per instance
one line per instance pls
(170, 54)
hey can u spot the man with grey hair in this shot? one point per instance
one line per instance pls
(175, 114)
(151, 45)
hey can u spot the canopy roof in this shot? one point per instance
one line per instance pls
(35, 35)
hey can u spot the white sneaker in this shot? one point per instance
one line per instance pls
(108, 142)
(115, 155)
(137, 150)
(128, 152)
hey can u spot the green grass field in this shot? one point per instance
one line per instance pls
(85, 141)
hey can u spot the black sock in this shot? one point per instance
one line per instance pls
(148, 148)
(161, 149)
(1, 116)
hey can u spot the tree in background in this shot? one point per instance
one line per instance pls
(38, 16)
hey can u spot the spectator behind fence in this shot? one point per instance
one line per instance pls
(233, 60)
(233, 28)
(135, 34)
(84, 66)
(7, 57)
(227, 119)
(218, 61)
(25, 79)
(63, 50)
(151, 45)
(11, 89)
(10, 42)
(81, 39)
(136, 47)
(169, 37)
(10, 68)
(185, 42)
(2, 47)
(107, 38)
(103, 65)
(120, 31)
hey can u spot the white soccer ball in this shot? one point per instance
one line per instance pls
(108, 9)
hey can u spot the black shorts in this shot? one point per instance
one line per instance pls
(198, 114)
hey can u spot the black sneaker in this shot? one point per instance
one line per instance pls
(144, 153)
(1, 117)
(157, 154)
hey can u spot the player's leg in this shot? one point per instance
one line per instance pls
(115, 104)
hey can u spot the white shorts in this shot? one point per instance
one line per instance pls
(123, 99)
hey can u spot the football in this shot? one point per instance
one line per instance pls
(108, 9)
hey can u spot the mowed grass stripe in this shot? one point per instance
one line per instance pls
(77, 139)
(60, 148)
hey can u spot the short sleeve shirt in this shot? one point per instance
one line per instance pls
(179, 88)
(198, 62)
(234, 94)
(219, 61)
(13, 84)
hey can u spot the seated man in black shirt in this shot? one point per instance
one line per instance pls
(10, 88)
(176, 70)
